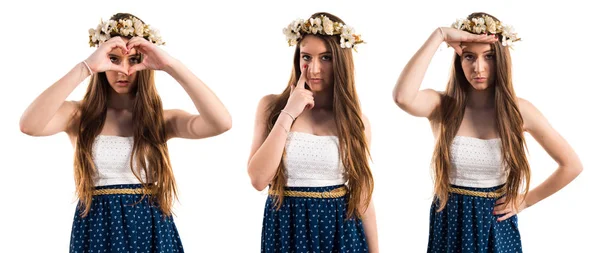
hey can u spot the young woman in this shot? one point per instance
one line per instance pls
(311, 145)
(119, 130)
(480, 165)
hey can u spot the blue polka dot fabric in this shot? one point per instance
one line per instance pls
(311, 225)
(467, 225)
(118, 223)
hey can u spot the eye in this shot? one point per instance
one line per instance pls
(326, 58)
(114, 59)
(490, 56)
(306, 57)
(468, 57)
(135, 60)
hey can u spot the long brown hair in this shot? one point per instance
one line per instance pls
(149, 153)
(354, 151)
(508, 121)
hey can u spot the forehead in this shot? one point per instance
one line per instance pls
(476, 47)
(312, 45)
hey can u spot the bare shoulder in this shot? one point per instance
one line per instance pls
(531, 115)
(267, 100)
(366, 122)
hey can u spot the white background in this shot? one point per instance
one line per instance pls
(238, 49)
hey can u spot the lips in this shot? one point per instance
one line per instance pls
(480, 79)
(316, 80)
(122, 83)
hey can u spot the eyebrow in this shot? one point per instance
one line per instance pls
(489, 51)
(319, 54)
(133, 55)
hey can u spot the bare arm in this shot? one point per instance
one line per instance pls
(569, 165)
(369, 219)
(213, 118)
(422, 103)
(419, 103)
(267, 148)
(49, 113)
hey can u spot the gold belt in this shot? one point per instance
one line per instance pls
(335, 193)
(495, 194)
(122, 191)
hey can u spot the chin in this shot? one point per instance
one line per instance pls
(480, 86)
(121, 90)
(316, 87)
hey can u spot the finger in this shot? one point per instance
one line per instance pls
(117, 44)
(118, 68)
(457, 49)
(136, 42)
(302, 79)
(135, 68)
(485, 38)
(506, 216)
(310, 105)
(501, 201)
(498, 210)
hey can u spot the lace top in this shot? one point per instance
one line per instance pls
(476, 162)
(111, 156)
(313, 161)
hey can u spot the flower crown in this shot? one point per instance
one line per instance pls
(487, 25)
(324, 26)
(129, 27)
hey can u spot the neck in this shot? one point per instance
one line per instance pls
(120, 101)
(323, 100)
(481, 99)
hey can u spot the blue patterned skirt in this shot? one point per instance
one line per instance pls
(467, 224)
(311, 225)
(116, 223)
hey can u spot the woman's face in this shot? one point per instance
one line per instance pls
(314, 53)
(478, 62)
(120, 82)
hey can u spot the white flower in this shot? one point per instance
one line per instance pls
(491, 24)
(102, 38)
(347, 30)
(506, 42)
(291, 35)
(344, 43)
(92, 33)
(327, 26)
(297, 25)
(459, 24)
(508, 31)
(324, 26)
(315, 25)
(109, 26)
(127, 29)
(479, 29)
(154, 36)
(138, 27)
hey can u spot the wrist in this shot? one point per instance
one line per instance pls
(86, 67)
(439, 35)
(171, 66)
(287, 113)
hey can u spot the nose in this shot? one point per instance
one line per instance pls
(315, 68)
(480, 65)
